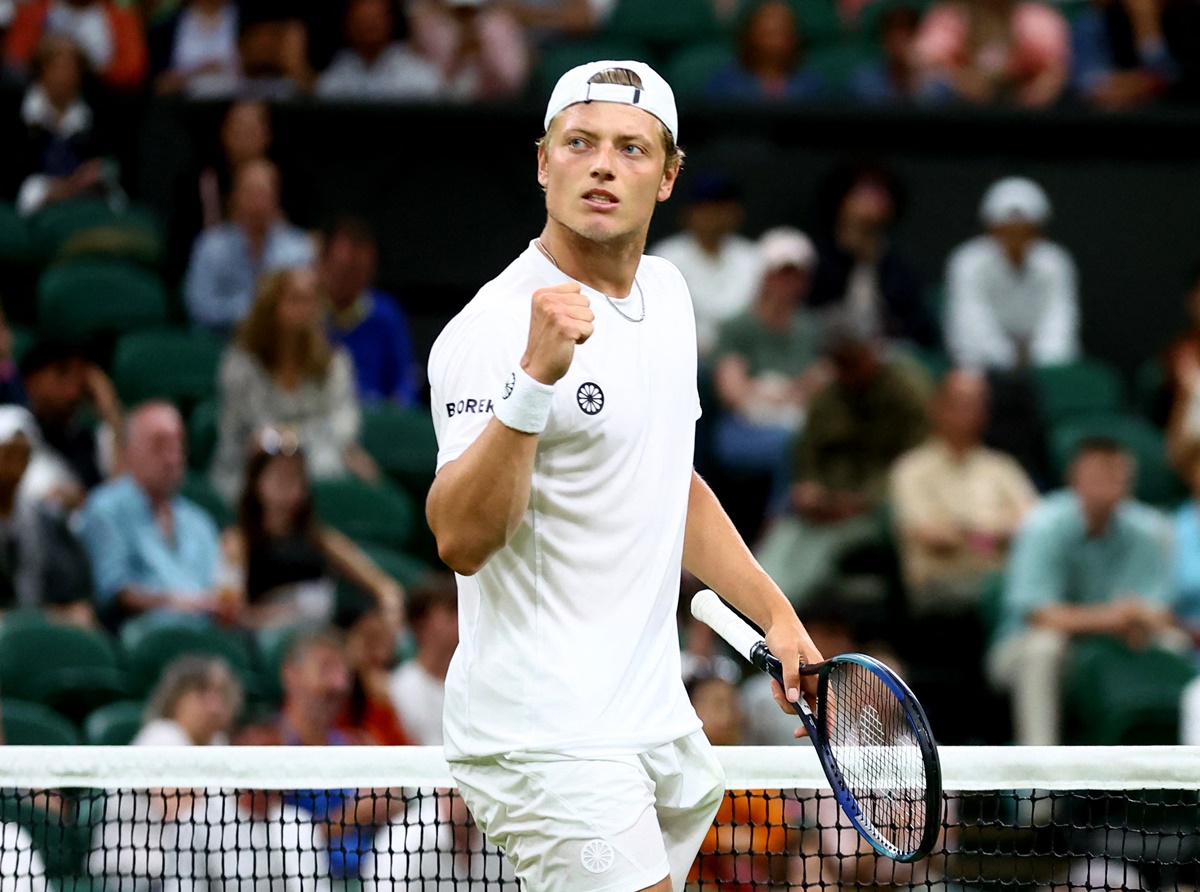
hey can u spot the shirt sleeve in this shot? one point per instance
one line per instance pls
(1147, 572)
(974, 338)
(201, 289)
(107, 548)
(1037, 570)
(911, 500)
(1056, 340)
(468, 368)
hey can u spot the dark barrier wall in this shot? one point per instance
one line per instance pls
(453, 194)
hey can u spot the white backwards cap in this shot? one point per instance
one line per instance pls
(1014, 199)
(654, 96)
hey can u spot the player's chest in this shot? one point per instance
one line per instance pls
(626, 383)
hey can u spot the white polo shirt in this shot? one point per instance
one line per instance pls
(568, 640)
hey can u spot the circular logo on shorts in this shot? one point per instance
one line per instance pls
(597, 856)
(590, 398)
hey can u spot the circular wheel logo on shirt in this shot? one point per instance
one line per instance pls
(510, 384)
(597, 856)
(590, 398)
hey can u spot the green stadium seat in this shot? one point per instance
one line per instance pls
(15, 242)
(820, 25)
(1150, 392)
(1117, 696)
(403, 443)
(562, 57)
(202, 434)
(406, 569)
(115, 724)
(180, 366)
(99, 297)
(1156, 482)
(89, 227)
(197, 488)
(32, 724)
(1086, 387)
(664, 22)
(62, 666)
(838, 63)
(148, 646)
(692, 68)
(383, 514)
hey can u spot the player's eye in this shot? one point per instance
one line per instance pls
(634, 150)
(575, 143)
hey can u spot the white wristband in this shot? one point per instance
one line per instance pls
(525, 403)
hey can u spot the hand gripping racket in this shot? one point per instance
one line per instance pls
(870, 734)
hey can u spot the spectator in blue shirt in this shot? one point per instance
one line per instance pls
(770, 63)
(228, 259)
(368, 322)
(1119, 54)
(151, 549)
(892, 78)
(1087, 561)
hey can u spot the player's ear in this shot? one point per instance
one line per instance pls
(543, 174)
(667, 186)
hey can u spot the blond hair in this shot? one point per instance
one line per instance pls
(258, 334)
(625, 78)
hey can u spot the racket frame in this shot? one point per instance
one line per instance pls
(751, 644)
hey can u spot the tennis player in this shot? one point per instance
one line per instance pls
(565, 402)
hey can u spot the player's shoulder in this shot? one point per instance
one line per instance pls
(972, 253)
(499, 309)
(660, 272)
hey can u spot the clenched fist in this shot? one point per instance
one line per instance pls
(562, 317)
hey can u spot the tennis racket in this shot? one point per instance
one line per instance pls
(870, 734)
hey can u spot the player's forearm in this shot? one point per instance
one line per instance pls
(1077, 619)
(477, 501)
(715, 553)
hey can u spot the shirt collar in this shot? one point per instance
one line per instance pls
(36, 111)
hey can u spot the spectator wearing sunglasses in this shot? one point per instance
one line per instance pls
(282, 372)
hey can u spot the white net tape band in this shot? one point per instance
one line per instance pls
(291, 768)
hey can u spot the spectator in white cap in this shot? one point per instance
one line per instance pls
(768, 362)
(479, 46)
(721, 267)
(565, 403)
(1012, 295)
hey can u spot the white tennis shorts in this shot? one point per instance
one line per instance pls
(605, 824)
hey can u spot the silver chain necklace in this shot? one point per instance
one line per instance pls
(612, 303)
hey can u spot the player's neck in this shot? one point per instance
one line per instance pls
(609, 268)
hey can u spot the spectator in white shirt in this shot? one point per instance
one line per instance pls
(418, 686)
(1012, 295)
(195, 51)
(722, 268)
(194, 704)
(373, 66)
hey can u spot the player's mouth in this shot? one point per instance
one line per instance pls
(600, 200)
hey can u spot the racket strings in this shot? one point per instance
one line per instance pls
(881, 761)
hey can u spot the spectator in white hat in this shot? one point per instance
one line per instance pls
(768, 362)
(1012, 295)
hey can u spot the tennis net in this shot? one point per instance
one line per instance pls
(120, 819)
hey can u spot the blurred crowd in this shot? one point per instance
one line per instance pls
(1111, 54)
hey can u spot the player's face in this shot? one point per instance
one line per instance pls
(603, 166)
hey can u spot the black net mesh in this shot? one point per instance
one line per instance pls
(73, 840)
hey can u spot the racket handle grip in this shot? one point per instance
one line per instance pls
(711, 611)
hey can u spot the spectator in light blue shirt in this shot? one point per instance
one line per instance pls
(228, 259)
(151, 549)
(1087, 561)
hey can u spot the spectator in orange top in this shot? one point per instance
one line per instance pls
(110, 37)
(985, 51)
(752, 832)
